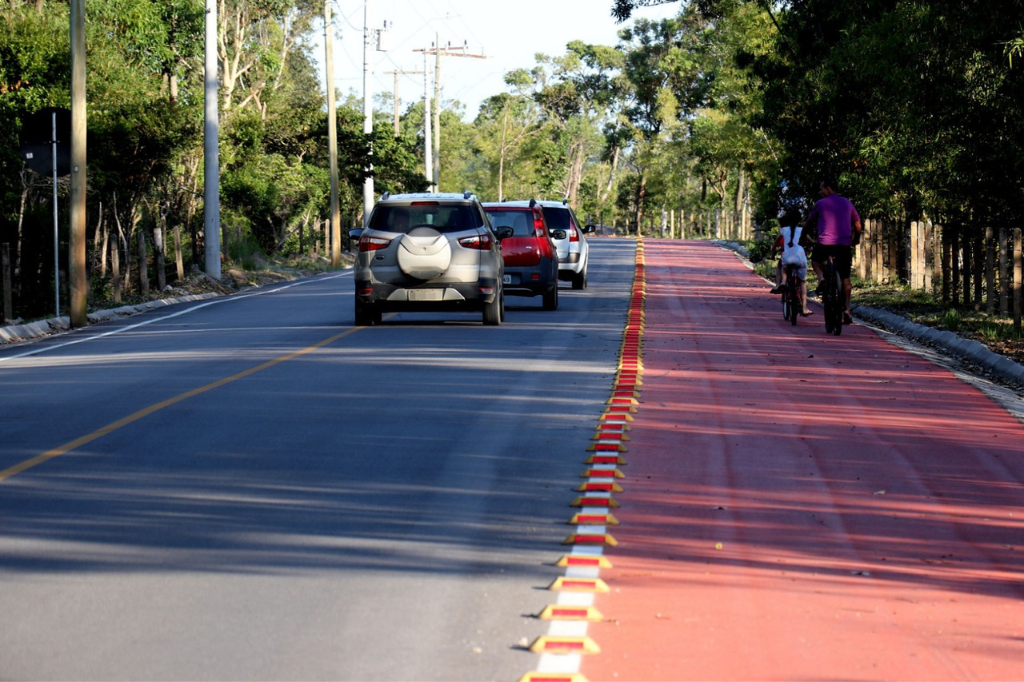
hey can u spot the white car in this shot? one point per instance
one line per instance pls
(573, 250)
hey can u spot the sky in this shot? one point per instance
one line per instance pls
(509, 34)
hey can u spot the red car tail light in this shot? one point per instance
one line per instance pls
(480, 241)
(367, 243)
(574, 235)
(538, 222)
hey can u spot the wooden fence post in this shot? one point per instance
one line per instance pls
(966, 267)
(978, 251)
(1018, 262)
(990, 271)
(947, 265)
(929, 257)
(1004, 274)
(862, 251)
(912, 266)
(8, 305)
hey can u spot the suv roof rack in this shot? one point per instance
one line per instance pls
(467, 194)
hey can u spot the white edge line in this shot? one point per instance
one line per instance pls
(224, 299)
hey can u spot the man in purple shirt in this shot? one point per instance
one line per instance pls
(839, 230)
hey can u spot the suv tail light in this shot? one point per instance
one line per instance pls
(479, 241)
(367, 243)
(574, 235)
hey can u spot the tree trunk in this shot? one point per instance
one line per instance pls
(115, 269)
(641, 193)
(143, 265)
(179, 260)
(158, 253)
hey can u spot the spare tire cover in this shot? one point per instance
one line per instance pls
(424, 253)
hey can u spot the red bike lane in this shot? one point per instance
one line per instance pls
(803, 506)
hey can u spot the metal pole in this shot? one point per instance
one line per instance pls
(332, 138)
(211, 134)
(56, 249)
(428, 138)
(76, 255)
(437, 112)
(397, 130)
(367, 114)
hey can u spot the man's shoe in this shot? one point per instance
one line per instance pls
(847, 318)
(776, 290)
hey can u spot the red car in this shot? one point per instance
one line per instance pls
(531, 260)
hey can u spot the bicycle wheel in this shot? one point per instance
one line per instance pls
(793, 301)
(786, 309)
(837, 325)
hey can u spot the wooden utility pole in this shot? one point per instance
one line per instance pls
(332, 135)
(397, 74)
(438, 52)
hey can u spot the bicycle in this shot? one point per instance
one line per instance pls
(832, 298)
(792, 307)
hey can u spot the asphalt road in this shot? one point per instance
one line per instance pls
(253, 488)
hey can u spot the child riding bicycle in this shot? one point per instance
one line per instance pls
(790, 243)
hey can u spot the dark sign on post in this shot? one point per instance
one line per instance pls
(37, 141)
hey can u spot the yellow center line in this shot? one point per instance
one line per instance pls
(145, 412)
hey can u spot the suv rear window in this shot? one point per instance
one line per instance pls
(558, 218)
(441, 217)
(521, 221)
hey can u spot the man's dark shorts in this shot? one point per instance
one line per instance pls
(843, 257)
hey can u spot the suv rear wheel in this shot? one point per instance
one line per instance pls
(367, 314)
(494, 312)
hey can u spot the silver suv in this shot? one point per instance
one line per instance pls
(428, 253)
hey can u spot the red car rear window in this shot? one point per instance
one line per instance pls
(521, 221)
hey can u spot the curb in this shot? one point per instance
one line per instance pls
(56, 325)
(965, 349)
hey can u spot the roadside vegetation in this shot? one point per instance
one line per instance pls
(707, 125)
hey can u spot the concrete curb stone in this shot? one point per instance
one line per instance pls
(41, 328)
(971, 351)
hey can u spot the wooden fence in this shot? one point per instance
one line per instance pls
(972, 268)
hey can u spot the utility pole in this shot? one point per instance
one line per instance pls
(79, 282)
(438, 52)
(367, 115)
(397, 74)
(211, 153)
(332, 137)
(428, 144)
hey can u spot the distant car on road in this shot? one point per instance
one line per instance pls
(601, 230)
(428, 253)
(573, 251)
(531, 260)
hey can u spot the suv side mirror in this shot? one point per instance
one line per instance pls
(558, 234)
(504, 232)
(355, 233)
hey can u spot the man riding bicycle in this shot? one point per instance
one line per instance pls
(790, 243)
(839, 229)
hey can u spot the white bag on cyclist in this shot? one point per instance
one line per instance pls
(792, 252)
